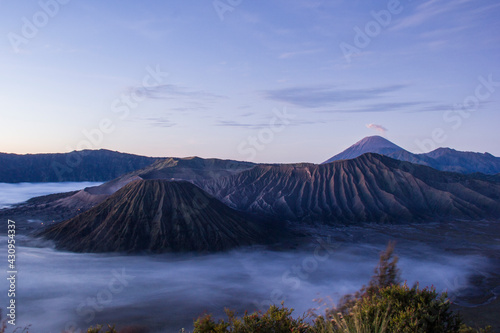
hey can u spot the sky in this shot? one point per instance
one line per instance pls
(277, 81)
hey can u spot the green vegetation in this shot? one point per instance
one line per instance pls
(100, 329)
(384, 305)
(274, 320)
(407, 309)
(387, 274)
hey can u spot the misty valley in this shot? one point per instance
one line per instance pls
(156, 247)
(165, 292)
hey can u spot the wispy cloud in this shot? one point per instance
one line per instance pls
(292, 54)
(446, 107)
(189, 108)
(486, 8)
(324, 96)
(232, 123)
(160, 122)
(440, 33)
(170, 91)
(404, 107)
(248, 114)
(432, 108)
(426, 11)
(379, 128)
(389, 107)
(265, 124)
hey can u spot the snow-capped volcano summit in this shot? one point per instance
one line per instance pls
(370, 144)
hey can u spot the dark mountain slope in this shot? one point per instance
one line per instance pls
(86, 165)
(157, 215)
(193, 169)
(59, 208)
(464, 162)
(370, 188)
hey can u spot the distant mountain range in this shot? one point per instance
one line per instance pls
(444, 159)
(157, 207)
(85, 165)
(104, 165)
(164, 214)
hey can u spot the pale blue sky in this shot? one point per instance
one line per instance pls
(228, 78)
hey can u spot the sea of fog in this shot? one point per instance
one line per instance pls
(16, 193)
(58, 290)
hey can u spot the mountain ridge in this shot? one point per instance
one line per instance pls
(83, 165)
(58, 208)
(105, 165)
(370, 188)
(443, 159)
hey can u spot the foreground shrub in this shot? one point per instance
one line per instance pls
(387, 306)
(411, 309)
(386, 274)
(101, 329)
(275, 320)
(405, 309)
(356, 322)
(467, 329)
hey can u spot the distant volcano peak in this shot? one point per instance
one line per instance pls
(370, 144)
(376, 140)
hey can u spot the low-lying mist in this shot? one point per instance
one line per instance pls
(60, 290)
(15, 193)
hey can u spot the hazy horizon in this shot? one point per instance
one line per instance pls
(281, 81)
(316, 162)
